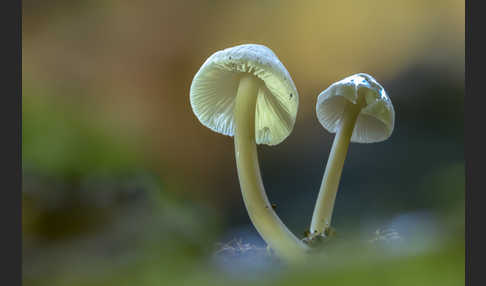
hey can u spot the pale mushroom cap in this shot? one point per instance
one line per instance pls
(376, 120)
(214, 88)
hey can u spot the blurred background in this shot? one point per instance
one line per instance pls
(123, 185)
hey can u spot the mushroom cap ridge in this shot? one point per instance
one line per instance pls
(214, 88)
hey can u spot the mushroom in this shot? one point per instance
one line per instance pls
(246, 92)
(357, 109)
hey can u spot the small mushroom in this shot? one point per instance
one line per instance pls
(357, 109)
(246, 92)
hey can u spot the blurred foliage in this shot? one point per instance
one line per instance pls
(343, 264)
(105, 224)
(442, 188)
(61, 136)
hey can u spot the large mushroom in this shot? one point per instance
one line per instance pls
(246, 92)
(357, 109)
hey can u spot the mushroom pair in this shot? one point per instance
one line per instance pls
(246, 92)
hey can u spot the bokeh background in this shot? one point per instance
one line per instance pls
(122, 185)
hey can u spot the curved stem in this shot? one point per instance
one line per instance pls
(321, 218)
(261, 213)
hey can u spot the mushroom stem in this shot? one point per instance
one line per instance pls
(261, 213)
(321, 218)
